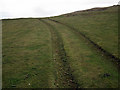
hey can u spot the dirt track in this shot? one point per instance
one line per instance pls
(96, 46)
(61, 60)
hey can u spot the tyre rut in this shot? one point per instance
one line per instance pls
(96, 46)
(64, 68)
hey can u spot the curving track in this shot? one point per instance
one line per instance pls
(96, 46)
(66, 76)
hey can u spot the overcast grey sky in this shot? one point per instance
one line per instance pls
(46, 8)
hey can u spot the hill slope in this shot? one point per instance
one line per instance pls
(99, 24)
(58, 52)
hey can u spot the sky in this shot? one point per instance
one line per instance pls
(47, 8)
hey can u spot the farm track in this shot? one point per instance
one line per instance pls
(96, 46)
(65, 76)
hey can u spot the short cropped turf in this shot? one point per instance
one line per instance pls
(101, 26)
(27, 54)
(40, 53)
(88, 67)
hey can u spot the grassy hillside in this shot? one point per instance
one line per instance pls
(100, 25)
(41, 53)
(27, 54)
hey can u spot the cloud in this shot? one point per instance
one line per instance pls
(4, 14)
(45, 8)
(119, 3)
(43, 12)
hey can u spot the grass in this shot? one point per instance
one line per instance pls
(99, 26)
(27, 54)
(44, 54)
(88, 66)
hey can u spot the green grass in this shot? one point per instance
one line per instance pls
(87, 65)
(99, 26)
(27, 51)
(32, 51)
